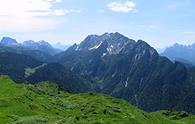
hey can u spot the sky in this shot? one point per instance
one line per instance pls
(160, 23)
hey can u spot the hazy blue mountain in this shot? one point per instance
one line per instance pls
(41, 46)
(31, 45)
(40, 50)
(179, 52)
(132, 70)
(7, 41)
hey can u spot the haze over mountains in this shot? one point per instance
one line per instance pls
(40, 50)
(30, 44)
(110, 63)
(182, 53)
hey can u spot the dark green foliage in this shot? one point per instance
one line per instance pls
(55, 72)
(37, 54)
(13, 64)
(25, 68)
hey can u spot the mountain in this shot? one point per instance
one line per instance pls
(57, 73)
(39, 55)
(134, 71)
(41, 46)
(40, 50)
(115, 42)
(25, 68)
(7, 41)
(13, 64)
(182, 53)
(47, 103)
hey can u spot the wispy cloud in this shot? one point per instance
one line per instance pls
(68, 11)
(125, 7)
(28, 15)
(189, 32)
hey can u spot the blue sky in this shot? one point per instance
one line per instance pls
(158, 22)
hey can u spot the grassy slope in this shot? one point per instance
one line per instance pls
(47, 104)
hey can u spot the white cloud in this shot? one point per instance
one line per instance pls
(30, 15)
(125, 7)
(60, 12)
(68, 11)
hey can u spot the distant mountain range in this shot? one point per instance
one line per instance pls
(42, 46)
(110, 63)
(40, 50)
(7, 41)
(182, 53)
(30, 61)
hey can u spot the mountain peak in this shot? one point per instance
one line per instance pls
(28, 42)
(115, 42)
(31, 43)
(143, 43)
(44, 43)
(112, 35)
(179, 52)
(145, 46)
(177, 45)
(7, 41)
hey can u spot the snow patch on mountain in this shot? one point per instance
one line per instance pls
(104, 54)
(96, 46)
(126, 82)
